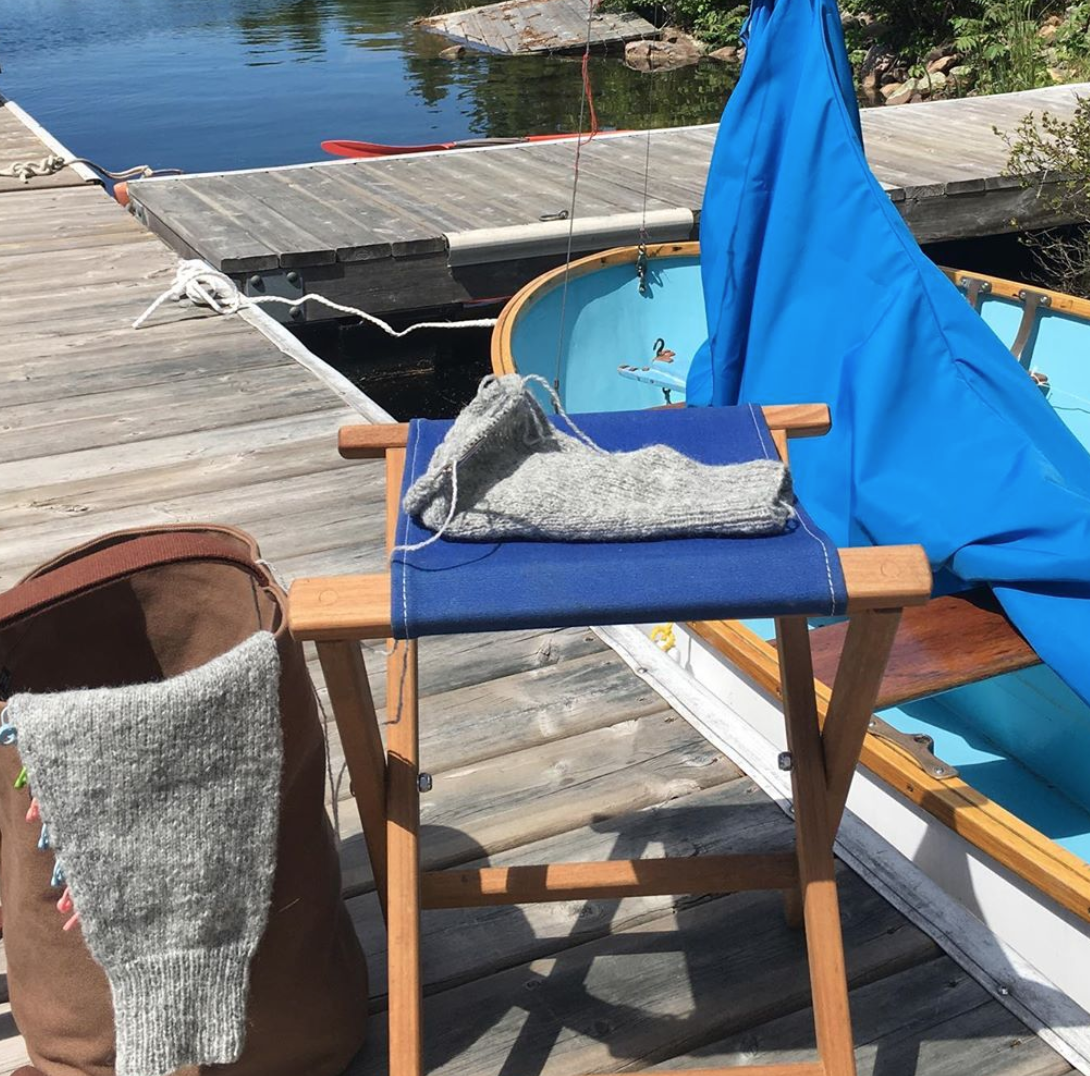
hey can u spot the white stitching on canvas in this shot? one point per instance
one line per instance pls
(801, 519)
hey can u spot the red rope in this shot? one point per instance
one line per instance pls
(589, 91)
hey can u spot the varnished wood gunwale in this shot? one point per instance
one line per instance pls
(502, 359)
(1031, 855)
(1059, 302)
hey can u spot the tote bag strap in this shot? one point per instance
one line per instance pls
(117, 562)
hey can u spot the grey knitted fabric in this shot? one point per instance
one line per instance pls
(162, 802)
(520, 477)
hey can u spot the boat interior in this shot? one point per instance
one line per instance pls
(971, 725)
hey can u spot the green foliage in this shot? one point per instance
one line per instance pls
(1002, 42)
(1072, 40)
(909, 28)
(1052, 156)
(715, 22)
(1056, 151)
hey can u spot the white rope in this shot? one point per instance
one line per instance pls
(25, 171)
(204, 286)
(446, 522)
(537, 379)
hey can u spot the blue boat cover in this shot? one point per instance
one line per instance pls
(816, 291)
(450, 587)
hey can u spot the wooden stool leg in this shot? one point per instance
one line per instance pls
(855, 691)
(403, 850)
(354, 710)
(817, 869)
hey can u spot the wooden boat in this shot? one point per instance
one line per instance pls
(976, 767)
(344, 147)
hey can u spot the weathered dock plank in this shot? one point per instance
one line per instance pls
(23, 140)
(544, 745)
(518, 26)
(386, 227)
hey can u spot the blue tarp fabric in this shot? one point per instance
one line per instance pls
(451, 587)
(816, 291)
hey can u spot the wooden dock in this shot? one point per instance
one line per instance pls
(519, 26)
(441, 229)
(543, 745)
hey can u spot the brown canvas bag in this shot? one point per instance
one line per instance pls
(137, 607)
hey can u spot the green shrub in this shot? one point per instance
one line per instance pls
(1002, 42)
(715, 22)
(1052, 156)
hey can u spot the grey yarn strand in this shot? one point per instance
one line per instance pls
(518, 476)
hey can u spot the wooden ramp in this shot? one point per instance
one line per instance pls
(543, 745)
(517, 26)
(446, 228)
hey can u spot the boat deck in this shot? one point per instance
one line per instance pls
(543, 745)
(429, 230)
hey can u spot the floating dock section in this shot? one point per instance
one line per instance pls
(432, 230)
(518, 26)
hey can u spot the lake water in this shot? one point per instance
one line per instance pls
(207, 85)
(217, 84)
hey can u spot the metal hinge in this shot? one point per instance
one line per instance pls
(918, 745)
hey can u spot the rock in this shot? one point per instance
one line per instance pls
(728, 54)
(963, 75)
(662, 55)
(455, 52)
(936, 82)
(942, 64)
(1047, 32)
(904, 93)
(890, 89)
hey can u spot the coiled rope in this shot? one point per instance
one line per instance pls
(204, 286)
(25, 171)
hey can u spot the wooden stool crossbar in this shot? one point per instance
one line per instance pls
(336, 613)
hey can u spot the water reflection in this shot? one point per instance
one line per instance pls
(249, 83)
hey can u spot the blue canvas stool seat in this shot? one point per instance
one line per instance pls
(448, 587)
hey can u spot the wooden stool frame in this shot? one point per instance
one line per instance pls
(336, 613)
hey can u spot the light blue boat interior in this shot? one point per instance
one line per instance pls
(608, 322)
(1021, 739)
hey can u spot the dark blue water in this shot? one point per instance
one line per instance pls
(218, 84)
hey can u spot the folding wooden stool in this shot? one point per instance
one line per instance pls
(338, 612)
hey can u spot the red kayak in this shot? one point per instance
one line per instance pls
(341, 147)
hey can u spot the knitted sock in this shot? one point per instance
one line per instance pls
(520, 477)
(162, 802)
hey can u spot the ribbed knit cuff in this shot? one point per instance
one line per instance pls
(179, 1009)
